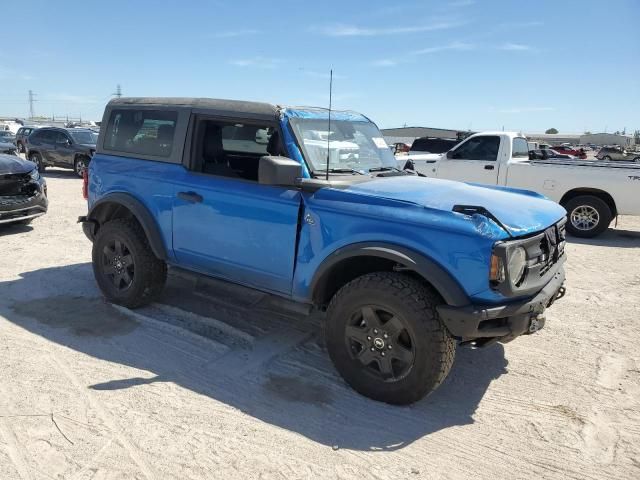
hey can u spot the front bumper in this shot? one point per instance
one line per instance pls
(17, 208)
(485, 324)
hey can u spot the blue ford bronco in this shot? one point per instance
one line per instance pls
(307, 204)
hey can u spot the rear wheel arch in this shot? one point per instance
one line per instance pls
(353, 261)
(122, 205)
(601, 194)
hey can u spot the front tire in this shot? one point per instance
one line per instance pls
(606, 158)
(587, 216)
(125, 268)
(37, 159)
(385, 338)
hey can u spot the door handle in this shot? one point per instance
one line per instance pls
(192, 197)
(488, 167)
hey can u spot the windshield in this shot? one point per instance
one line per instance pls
(84, 137)
(351, 145)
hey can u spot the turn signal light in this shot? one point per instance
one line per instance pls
(496, 272)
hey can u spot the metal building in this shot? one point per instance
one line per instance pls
(608, 139)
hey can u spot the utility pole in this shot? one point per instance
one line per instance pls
(118, 91)
(31, 100)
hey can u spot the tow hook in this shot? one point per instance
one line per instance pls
(537, 323)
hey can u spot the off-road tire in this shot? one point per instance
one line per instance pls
(150, 273)
(415, 303)
(37, 159)
(604, 215)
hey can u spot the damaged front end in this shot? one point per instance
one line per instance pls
(23, 196)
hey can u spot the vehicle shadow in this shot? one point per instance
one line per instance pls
(297, 389)
(612, 237)
(13, 228)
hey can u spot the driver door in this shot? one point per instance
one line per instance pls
(62, 154)
(475, 160)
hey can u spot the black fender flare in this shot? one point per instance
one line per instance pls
(140, 212)
(438, 277)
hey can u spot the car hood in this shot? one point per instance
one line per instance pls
(6, 145)
(520, 212)
(12, 164)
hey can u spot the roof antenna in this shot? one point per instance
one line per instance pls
(329, 129)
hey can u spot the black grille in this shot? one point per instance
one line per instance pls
(16, 184)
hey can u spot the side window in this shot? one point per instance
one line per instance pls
(60, 138)
(479, 148)
(520, 148)
(143, 132)
(44, 136)
(233, 149)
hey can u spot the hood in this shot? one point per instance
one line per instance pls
(521, 212)
(6, 145)
(12, 164)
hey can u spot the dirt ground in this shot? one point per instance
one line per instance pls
(217, 383)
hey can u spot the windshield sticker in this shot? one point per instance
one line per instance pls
(380, 143)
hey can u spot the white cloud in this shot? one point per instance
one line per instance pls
(441, 48)
(515, 47)
(384, 62)
(236, 33)
(257, 62)
(346, 30)
(526, 109)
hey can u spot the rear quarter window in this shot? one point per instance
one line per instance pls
(520, 148)
(142, 132)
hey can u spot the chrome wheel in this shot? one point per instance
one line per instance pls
(81, 166)
(585, 218)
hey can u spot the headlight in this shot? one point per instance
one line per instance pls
(516, 264)
(35, 175)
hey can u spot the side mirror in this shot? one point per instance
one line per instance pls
(450, 154)
(280, 171)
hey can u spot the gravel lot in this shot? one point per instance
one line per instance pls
(217, 383)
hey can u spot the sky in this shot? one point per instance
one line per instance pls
(461, 64)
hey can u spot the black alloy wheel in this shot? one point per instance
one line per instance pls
(118, 264)
(381, 342)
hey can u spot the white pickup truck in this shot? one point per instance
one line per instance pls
(592, 192)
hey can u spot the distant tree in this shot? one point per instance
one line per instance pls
(617, 132)
(587, 132)
(552, 131)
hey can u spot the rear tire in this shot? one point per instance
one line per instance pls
(606, 158)
(125, 268)
(587, 216)
(385, 338)
(80, 165)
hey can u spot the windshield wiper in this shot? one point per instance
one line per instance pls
(338, 170)
(385, 169)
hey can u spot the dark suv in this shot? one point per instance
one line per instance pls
(21, 135)
(61, 147)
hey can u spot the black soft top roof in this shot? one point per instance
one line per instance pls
(228, 106)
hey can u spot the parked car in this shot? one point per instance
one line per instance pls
(593, 193)
(546, 154)
(617, 154)
(399, 148)
(61, 147)
(404, 266)
(7, 136)
(7, 148)
(23, 192)
(21, 135)
(569, 150)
